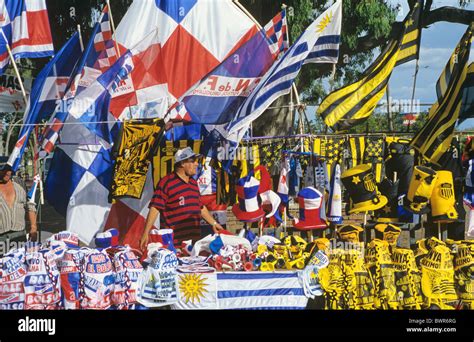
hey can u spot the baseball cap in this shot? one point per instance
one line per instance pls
(184, 154)
(4, 167)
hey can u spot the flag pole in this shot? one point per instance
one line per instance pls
(417, 68)
(80, 37)
(15, 67)
(113, 28)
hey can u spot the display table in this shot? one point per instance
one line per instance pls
(241, 290)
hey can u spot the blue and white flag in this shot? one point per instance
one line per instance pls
(97, 57)
(91, 105)
(48, 88)
(279, 79)
(260, 290)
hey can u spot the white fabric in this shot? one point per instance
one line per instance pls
(272, 198)
(228, 240)
(469, 223)
(197, 291)
(259, 290)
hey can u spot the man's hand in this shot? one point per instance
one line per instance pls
(144, 241)
(217, 227)
(33, 234)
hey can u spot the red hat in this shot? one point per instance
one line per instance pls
(309, 201)
(248, 209)
(262, 174)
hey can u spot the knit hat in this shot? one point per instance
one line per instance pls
(388, 232)
(349, 232)
(109, 238)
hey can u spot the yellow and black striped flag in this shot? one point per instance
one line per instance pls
(410, 47)
(353, 104)
(467, 106)
(435, 136)
(357, 150)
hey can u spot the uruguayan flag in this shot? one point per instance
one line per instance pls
(260, 290)
(279, 79)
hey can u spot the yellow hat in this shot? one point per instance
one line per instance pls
(390, 232)
(360, 184)
(420, 189)
(349, 232)
(443, 199)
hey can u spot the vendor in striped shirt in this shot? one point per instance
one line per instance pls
(178, 200)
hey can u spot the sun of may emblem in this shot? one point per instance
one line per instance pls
(324, 22)
(192, 287)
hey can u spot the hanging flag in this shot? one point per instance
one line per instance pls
(279, 79)
(353, 104)
(356, 150)
(49, 88)
(11, 97)
(25, 25)
(215, 98)
(410, 45)
(32, 193)
(467, 106)
(98, 56)
(137, 141)
(434, 138)
(91, 106)
(260, 290)
(335, 197)
(192, 44)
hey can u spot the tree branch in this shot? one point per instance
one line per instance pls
(448, 14)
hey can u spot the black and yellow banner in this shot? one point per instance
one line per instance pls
(133, 158)
(410, 47)
(435, 137)
(163, 161)
(353, 104)
(467, 106)
(357, 150)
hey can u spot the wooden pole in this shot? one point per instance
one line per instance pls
(15, 67)
(417, 67)
(112, 24)
(389, 110)
(81, 42)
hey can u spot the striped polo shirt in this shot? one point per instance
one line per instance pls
(180, 206)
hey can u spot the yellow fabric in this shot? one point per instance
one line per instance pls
(133, 158)
(163, 162)
(408, 279)
(422, 184)
(437, 278)
(443, 200)
(379, 262)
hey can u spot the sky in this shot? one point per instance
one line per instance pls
(437, 44)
